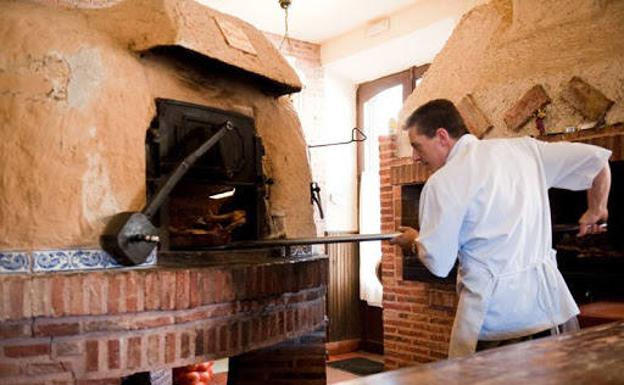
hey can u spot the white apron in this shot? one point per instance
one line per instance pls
(477, 284)
(489, 205)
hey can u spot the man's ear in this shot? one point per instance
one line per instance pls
(443, 135)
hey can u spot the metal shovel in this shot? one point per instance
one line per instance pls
(130, 236)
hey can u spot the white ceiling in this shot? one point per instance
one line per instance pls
(310, 20)
(418, 31)
(395, 55)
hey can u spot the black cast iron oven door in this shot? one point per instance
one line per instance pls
(197, 214)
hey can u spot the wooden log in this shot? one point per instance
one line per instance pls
(476, 121)
(526, 107)
(587, 100)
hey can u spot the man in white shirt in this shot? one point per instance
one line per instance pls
(486, 204)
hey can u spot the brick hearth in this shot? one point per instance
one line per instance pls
(92, 326)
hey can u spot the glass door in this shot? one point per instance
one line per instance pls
(380, 116)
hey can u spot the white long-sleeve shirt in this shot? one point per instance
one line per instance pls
(488, 205)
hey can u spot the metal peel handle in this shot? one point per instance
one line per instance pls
(564, 228)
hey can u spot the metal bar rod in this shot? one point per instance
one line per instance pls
(269, 243)
(564, 228)
(330, 144)
(354, 138)
(181, 169)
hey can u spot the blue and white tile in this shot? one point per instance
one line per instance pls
(51, 260)
(91, 259)
(79, 259)
(14, 262)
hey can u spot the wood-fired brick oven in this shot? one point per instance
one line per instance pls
(101, 104)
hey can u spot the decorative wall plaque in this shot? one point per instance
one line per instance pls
(235, 37)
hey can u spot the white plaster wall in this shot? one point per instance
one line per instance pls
(337, 165)
(415, 35)
(334, 167)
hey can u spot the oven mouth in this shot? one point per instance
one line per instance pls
(222, 196)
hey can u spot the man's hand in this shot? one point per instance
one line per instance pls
(592, 223)
(597, 199)
(406, 239)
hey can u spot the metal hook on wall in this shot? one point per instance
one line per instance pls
(315, 197)
(354, 138)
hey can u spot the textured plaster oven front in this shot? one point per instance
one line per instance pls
(76, 99)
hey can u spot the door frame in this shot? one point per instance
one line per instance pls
(371, 316)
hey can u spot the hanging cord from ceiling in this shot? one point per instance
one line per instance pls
(285, 4)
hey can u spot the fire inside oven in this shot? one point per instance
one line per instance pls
(221, 197)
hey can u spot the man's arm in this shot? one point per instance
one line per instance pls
(597, 199)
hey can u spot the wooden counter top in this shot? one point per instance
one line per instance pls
(592, 356)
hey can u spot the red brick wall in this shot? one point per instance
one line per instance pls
(307, 52)
(102, 325)
(417, 316)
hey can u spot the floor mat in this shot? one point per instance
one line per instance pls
(358, 365)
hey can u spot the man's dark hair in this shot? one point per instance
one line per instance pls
(438, 113)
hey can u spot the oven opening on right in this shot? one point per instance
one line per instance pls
(413, 269)
(592, 266)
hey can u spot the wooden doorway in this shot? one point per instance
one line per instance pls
(376, 100)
